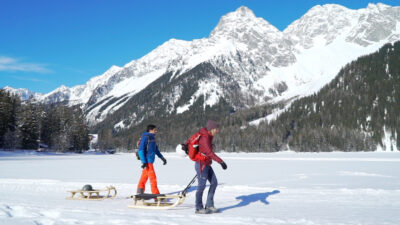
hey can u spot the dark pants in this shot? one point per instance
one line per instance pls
(202, 177)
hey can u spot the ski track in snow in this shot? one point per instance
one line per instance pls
(282, 188)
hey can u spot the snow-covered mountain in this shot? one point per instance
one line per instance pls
(261, 63)
(23, 93)
(79, 94)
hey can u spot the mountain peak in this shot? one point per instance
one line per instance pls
(63, 87)
(377, 6)
(23, 93)
(114, 68)
(326, 8)
(323, 24)
(6, 88)
(242, 11)
(239, 15)
(15, 90)
(60, 89)
(242, 21)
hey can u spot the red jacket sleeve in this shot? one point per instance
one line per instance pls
(206, 148)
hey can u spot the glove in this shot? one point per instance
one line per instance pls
(164, 161)
(144, 165)
(185, 148)
(224, 166)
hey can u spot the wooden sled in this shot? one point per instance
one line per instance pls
(111, 192)
(160, 201)
(157, 201)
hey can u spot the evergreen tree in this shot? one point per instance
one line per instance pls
(27, 125)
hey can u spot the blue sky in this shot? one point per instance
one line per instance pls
(48, 43)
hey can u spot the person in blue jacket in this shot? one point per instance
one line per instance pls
(148, 149)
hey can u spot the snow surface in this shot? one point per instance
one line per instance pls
(315, 67)
(257, 188)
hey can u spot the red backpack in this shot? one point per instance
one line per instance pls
(191, 147)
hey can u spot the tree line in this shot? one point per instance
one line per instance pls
(28, 125)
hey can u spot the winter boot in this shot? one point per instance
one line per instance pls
(140, 191)
(202, 211)
(212, 209)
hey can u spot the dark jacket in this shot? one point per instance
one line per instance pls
(206, 148)
(148, 148)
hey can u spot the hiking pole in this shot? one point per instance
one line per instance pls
(189, 185)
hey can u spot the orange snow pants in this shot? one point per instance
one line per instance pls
(147, 173)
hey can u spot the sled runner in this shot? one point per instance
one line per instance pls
(157, 201)
(93, 194)
(160, 201)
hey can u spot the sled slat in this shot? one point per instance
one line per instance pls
(92, 195)
(160, 201)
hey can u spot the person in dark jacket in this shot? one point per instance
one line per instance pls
(148, 149)
(205, 171)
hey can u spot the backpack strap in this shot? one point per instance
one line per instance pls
(147, 144)
(198, 139)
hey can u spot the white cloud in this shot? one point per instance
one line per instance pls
(13, 64)
(29, 79)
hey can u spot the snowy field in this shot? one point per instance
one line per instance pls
(278, 188)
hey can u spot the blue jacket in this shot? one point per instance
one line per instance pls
(148, 148)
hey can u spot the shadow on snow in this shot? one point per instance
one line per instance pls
(245, 199)
(248, 199)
